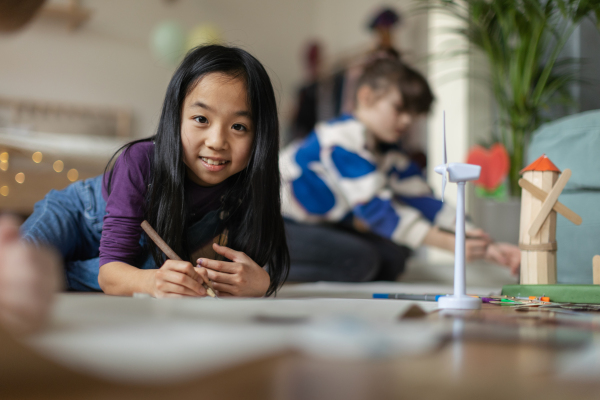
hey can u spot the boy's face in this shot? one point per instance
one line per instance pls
(383, 113)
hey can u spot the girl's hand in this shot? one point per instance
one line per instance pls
(178, 279)
(241, 277)
(505, 254)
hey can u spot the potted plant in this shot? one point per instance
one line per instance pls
(522, 40)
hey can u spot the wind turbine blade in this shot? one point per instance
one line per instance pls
(444, 138)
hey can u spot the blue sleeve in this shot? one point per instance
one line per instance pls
(411, 189)
(349, 164)
(412, 170)
(379, 215)
(427, 205)
(310, 191)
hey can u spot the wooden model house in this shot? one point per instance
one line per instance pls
(539, 205)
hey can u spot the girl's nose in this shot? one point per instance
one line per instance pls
(216, 138)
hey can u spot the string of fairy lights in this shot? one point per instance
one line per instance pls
(37, 157)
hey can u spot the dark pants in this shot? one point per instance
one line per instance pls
(336, 253)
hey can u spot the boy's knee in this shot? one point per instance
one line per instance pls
(362, 262)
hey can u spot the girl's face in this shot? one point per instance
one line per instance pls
(216, 129)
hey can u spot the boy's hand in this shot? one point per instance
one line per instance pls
(476, 244)
(241, 277)
(505, 254)
(178, 279)
(475, 249)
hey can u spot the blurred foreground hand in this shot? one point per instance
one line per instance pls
(29, 278)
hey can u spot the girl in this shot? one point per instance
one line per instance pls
(210, 173)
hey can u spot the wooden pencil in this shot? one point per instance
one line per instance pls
(153, 235)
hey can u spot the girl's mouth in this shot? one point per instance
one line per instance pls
(213, 165)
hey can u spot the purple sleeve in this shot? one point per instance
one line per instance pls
(125, 206)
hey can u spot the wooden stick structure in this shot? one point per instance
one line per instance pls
(548, 204)
(154, 236)
(539, 207)
(538, 252)
(596, 266)
(558, 206)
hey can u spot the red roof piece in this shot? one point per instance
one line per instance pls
(541, 164)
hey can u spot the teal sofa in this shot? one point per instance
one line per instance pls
(574, 142)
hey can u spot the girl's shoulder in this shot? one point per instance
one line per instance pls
(132, 167)
(136, 156)
(139, 151)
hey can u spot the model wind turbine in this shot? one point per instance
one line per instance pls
(459, 173)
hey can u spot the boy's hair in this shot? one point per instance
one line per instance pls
(383, 74)
(253, 202)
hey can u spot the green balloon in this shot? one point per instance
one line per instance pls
(168, 42)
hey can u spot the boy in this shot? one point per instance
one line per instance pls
(355, 204)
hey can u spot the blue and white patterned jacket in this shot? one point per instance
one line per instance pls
(334, 175)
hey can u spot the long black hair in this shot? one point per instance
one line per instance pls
(253, 202)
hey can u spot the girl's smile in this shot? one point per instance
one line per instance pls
(216, 129)
(213, 164)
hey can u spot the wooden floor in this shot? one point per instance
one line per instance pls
(495, 353)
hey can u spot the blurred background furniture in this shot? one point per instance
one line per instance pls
(46, 145)
(70, 12)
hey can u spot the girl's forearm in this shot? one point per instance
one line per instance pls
(121, 279)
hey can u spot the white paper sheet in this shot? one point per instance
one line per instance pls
(365, 290)
(153, 340)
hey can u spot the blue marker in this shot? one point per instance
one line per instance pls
(401, 296)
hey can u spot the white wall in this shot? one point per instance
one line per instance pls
(108, 61)
(342, 24)
(448, 77)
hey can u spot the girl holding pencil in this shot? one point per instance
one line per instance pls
(207, 181)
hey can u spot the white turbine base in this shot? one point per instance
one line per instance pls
(459, 303)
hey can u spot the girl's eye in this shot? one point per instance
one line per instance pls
(200, 119)
(239, 127)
